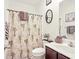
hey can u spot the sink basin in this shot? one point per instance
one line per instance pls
(66, 48)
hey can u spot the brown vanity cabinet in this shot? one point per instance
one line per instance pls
(52, 54)
(60, 56)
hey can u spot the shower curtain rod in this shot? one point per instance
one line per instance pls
(28, 13)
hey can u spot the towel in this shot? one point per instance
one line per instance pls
(23, 16)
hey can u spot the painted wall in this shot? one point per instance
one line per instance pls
(20, 5)
(65, 7)
(53, 27)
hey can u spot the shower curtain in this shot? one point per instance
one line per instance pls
(23, 36)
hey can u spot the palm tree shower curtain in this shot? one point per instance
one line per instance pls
(21, 37)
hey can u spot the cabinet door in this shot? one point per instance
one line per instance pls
(60, 56)
(50, 53)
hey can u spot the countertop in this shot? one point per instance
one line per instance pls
(63, 49)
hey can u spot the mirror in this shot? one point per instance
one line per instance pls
(67, 16)
(49, 16)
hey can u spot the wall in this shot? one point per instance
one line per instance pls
(65, 7)
(52, 28)
(20, 5)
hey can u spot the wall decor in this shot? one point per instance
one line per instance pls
(48, 2)
(70, 29)
(69, 17)
(49, 16)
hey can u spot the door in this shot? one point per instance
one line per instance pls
(50, 53)
(60, 56)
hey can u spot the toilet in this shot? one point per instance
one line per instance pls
(38, 53)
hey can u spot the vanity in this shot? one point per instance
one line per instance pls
(59, 51)
(52, 54)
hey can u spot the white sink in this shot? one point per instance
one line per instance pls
(66, 48)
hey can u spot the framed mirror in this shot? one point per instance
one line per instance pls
(49, 16)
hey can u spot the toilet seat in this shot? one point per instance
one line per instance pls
(38, 51)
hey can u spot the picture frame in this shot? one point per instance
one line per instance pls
(48, 2)
(70, 29)
(69, 17)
